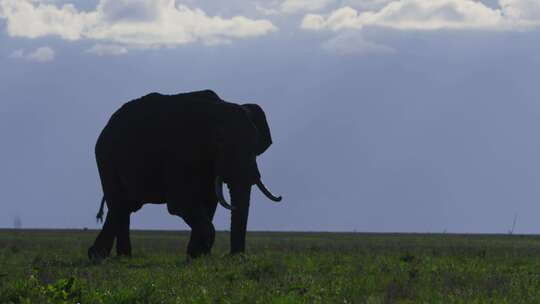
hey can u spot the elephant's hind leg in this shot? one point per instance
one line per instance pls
(123, 242)
(104, 242)
(116, 226)
(111, 189)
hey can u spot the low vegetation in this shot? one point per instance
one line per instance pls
(51, 267)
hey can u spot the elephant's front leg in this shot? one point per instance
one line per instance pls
(196, 205)
(202, 235)
(123, 242)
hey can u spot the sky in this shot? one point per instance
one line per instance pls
(386, 115)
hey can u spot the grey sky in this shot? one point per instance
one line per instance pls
(423, 119)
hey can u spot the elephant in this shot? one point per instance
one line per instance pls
(179, 150)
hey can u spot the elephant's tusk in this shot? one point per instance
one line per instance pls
(268, 194)
(219, 194)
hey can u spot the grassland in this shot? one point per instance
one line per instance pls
(51, 267)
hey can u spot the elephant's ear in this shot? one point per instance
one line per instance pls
(236, 139)
(258, 118)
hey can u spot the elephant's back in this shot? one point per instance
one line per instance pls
(156, 123)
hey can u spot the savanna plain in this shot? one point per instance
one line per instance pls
(50, 266)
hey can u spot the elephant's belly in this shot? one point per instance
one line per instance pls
(144, 186)
(147, 192)
(151, 198)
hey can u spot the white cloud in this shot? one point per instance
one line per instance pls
(142, 23)
(432, 15)
(343, 18)
(418, 15)
(107, 49)
(31, 20)
(42, 54)
(521, 11)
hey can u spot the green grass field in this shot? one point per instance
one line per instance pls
(51, 267)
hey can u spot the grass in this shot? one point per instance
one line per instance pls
(50, 266)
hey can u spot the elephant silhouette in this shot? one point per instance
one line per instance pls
(179, 150)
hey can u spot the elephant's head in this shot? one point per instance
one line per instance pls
(242, 136)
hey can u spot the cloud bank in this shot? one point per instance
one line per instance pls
(431, 15)
(139, 23)
(419, 15)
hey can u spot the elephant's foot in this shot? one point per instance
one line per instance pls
(97, 255)
(202, 238)
(238, 256)
(194, 253)
(198, 248)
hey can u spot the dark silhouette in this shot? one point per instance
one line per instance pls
(178, 150)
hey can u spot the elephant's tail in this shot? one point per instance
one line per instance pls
(99, 216)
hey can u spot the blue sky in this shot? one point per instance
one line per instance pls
(387, 115)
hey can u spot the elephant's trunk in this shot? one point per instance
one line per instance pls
(240, 195)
